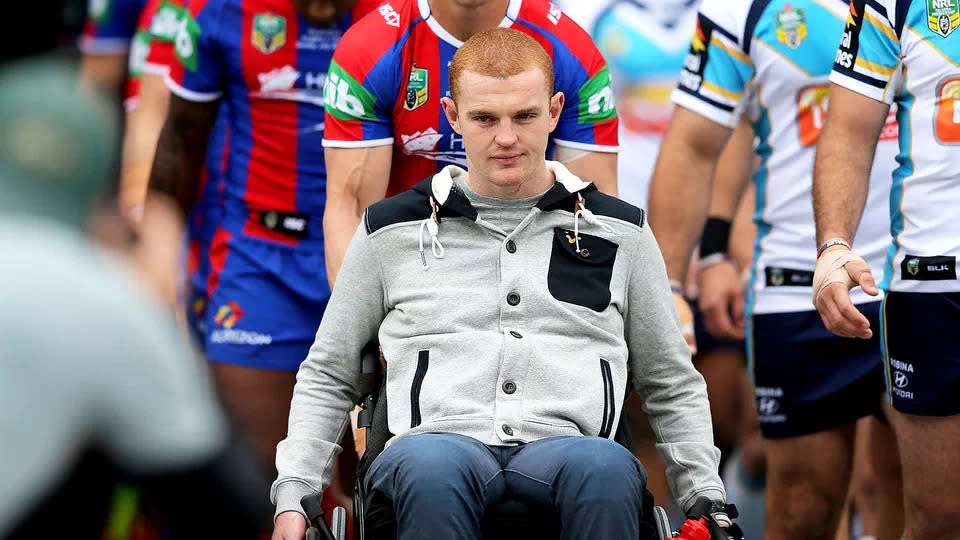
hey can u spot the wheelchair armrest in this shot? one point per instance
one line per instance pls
(314, 508)
(371, 373)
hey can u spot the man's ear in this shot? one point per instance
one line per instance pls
(450, 109)
(556, 107)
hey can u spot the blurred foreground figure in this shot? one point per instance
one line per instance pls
(95, 385)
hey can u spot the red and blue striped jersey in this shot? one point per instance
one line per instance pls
(110, 25)
(391, 69)
(269, 66)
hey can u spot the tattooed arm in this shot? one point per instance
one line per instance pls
(181, 150)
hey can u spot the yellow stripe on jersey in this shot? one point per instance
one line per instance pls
(927, 40)
(881, 26)
(829, 8)
(786, 58)
(876, 68)
(732, 96)
(732, 51)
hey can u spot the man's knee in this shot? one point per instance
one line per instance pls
(932, 516)
(803, 501)
(604, 467)
(431, 463)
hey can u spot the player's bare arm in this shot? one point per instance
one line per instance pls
(599, 167)
(721, 291)
(356, 178)
(105, 72)
(681, 184)
(844, 157)
(140, 140)
(841, 177)
(181, 150)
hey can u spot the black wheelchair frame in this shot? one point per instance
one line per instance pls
(508, 520)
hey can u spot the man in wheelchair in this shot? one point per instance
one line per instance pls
(511, 303)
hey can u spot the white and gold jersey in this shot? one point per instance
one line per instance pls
(907, 53)
(783, 51)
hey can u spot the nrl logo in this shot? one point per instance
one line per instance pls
(417, 84)
(943, 16)
(913, 267)
(776, 277)
(791, 26)
(269, 32)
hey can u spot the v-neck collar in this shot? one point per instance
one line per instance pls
(513, 11)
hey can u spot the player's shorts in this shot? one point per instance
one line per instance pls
(266, 302)
(807, 379)
(921, 350)
(198, 273)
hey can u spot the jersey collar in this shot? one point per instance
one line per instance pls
(513, 11)
(441, 186)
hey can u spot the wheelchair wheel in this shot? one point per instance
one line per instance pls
(662, 522)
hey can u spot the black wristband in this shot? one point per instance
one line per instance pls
(716, 236)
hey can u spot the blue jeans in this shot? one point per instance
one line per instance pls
(440, 484)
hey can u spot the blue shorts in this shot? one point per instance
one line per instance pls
(266, 302)
(921, 350)
(198, 273)
(806, 379)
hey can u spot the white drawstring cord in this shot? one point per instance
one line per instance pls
(587, 215)
(433, 228)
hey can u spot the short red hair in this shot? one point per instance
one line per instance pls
(500, 52)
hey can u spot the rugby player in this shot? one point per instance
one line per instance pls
(267, 60)
(904, 53)
(810, 386)
(384, 126)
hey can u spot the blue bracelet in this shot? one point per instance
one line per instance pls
(831, 243)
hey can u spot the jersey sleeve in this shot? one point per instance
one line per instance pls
(717, 69)
(362, 85)
(589, 117)
(110, 26)
(198, 71)
(162, 31)
(868, 56)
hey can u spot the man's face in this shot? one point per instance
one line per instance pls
(323, 12)
(505, 124)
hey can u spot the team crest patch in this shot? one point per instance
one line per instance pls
(943, 16)
(776, 276)
(269, 32)
(417, 85)
(913, 266)
(792, 26)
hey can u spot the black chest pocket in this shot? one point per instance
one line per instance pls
(581, 278)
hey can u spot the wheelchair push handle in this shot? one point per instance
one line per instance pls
(319, 529)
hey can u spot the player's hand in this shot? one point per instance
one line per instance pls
(686, 320)
(722, 300)
(290, 525)
(839, 270)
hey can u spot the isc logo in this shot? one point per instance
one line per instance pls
(390, 16)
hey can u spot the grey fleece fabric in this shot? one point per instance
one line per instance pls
(465, 355)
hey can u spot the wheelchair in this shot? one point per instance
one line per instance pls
(509, 519)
